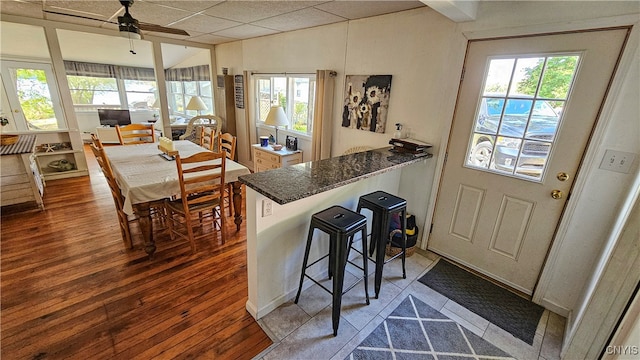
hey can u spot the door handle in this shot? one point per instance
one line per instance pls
(562, 176)
(556, 194)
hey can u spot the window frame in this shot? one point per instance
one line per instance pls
(181, 111)
(291, 94)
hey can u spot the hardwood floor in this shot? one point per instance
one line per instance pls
(69, 289)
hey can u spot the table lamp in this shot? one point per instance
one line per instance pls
(195, 103)
(276, 117)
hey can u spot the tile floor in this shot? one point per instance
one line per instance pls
(304, 331)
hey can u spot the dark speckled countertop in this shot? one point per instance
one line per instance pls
(299, 181)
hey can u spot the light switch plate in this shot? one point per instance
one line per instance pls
(618, 161)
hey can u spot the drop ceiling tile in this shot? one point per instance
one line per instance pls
(300, 19)
(204, 24)
(211, 39)
(245, 32)
(98, 9)
(22, 9)
(189, 5)
(249, 11)
(361, 9)
(159, 15)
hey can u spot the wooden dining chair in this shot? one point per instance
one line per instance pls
(208, 137)
(227, 144)
(118, 199)
(96, 141)
(136, 134)
(201, 178)
(193, 132)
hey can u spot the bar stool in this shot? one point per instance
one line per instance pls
(341, 224)
(383, 205)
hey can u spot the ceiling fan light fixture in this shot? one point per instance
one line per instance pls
(133, 34)
(129, 27)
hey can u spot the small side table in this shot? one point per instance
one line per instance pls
(265, 158)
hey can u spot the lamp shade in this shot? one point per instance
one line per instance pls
(276, 117)
(196, 104)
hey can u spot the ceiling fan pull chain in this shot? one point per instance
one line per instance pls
(131, 48)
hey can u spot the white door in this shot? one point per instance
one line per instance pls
(525, 110)
(33, 97)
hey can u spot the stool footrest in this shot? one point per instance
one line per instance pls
(344, 291)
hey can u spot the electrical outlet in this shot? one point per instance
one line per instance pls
(267, 207)
(618, 161)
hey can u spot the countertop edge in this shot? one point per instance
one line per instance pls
(301, 195)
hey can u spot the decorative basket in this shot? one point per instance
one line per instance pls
(393, 251)
(8, 139)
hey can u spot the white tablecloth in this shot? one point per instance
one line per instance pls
(144, 176)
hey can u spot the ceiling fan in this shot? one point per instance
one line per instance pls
(127, 25)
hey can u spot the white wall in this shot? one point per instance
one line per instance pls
(424, 52)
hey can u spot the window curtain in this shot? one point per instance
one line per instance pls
(77, 68)
(194, 73)
(322, 112)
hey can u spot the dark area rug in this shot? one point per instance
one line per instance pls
(510, 312)
(414, 330)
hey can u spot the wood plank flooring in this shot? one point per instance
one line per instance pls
(69, 289)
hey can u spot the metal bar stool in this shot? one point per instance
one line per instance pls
(341, 224)
(383, 205)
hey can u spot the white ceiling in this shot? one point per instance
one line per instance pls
(211, 22)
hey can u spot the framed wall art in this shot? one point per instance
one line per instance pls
(366, 102)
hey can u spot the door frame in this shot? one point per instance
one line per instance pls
(591, 156)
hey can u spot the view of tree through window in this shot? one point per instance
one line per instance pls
(86, 90)
(296, 95)
(35, 99)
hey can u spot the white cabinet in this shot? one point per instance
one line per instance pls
(20, 180)
(265, 158)
(54, 146)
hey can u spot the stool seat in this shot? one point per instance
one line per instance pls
(338, 219)
(382, 200)
(383, 205)
(341, 224)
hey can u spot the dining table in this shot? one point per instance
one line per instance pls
(147, 176)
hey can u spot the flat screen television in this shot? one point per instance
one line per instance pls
(110, 117)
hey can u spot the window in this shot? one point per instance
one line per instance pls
(87, 90)
(519, 113)
(295, 93)
(140, 94)
(180, 92)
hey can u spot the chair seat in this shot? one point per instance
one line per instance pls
(176, 205)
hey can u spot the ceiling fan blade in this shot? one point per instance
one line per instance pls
(161, 29)
(78, 16)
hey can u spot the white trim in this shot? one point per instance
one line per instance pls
(589, 164)
(587, 24)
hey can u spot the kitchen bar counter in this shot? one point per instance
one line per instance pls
(299, 181)
(280, 204)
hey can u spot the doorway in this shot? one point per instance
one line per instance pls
(524, 114)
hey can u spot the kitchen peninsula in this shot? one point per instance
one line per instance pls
(280, 203)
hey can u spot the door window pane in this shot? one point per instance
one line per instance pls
(35, 99)
(498, 76)
(526, 120)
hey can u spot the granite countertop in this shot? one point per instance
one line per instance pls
(299, 181)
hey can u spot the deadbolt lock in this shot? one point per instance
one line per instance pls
(556, 194)
(562, 176)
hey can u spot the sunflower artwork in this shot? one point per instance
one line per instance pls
(366, 102)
